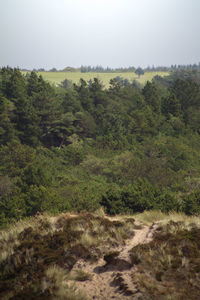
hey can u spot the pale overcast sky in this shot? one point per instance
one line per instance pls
(115, 33)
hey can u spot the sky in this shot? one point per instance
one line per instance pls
(114, 33)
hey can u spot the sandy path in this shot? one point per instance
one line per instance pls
(101, 285)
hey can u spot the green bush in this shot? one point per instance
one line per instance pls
(139, 196)
(191, 203)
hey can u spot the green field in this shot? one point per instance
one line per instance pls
(58, 77)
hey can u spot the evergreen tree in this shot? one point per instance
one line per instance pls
(151, 96)
(7, 131)
(171, 105)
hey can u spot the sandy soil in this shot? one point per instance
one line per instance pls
(103, 285)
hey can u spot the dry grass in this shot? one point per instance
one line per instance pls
(9, 239)
(152, 216)
(81, 275)
(56, 283)
(100, 212)
(169, 266)
(87, 240)
(148, 217)
(47, 247)
(39, 245)
(181, 217)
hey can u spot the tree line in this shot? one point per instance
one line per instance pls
(101, 69)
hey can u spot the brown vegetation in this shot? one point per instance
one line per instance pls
(93, 256)
(40, 253)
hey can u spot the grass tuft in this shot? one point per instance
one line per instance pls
(150, 216)
(81, 275)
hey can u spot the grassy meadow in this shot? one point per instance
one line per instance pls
(58, 77)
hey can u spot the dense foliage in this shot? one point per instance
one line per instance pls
(75, 147)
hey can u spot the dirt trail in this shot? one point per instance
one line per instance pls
(106, 278)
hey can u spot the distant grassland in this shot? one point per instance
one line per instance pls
(58, 77)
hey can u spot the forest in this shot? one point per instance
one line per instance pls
(75, 147)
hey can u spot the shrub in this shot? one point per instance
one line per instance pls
(191, 203)
(139, 196)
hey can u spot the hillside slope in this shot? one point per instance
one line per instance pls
(93, 256)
